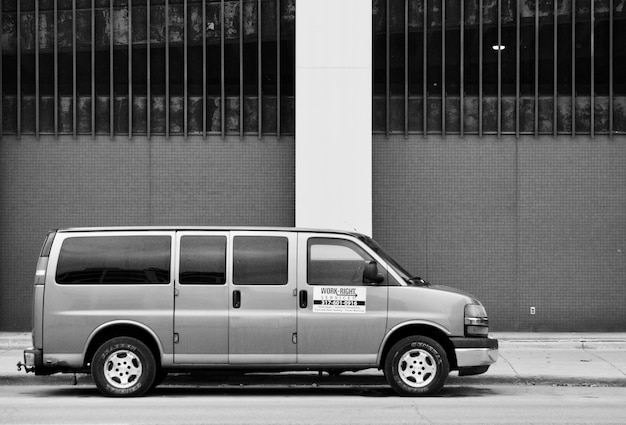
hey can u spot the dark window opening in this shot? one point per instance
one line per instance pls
(114, 260)
(260, 260)
(202, 260)
(335, 262)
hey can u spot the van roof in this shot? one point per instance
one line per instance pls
(207, 228)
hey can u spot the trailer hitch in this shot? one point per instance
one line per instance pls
(27, 369)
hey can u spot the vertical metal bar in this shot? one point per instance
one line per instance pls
(185, 72)
(111, 77)
(241, 88)
(1, 84)
(555, 93)
(499, 112)
(425, 71)
(74, 87)
(480, 68)
(148, 71)
(573, 68)
(518, 39)
(167, 68)
(593, 71)
(36, 68)
(56, 69)
(406, 68)
(278, 82)
(19, 68)
(536, 120)
(443, 67)
(93, 68)
(260, 71)
(130, 69)
(462, 72)
(222, 76)
(387, 66)
(610, 68)
(204, 94)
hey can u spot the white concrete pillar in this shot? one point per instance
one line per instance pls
(334, 114)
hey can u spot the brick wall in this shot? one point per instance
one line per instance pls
(48, 183)
(517, 222)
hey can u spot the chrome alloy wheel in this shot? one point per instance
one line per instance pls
(417, 368)
(122, 369)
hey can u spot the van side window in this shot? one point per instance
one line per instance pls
(114, 260)
(260, 260)
(335, 262)
(202, 260)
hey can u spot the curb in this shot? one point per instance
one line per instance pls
(529, 380)
(312, 382)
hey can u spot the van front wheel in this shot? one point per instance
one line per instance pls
(123, 367)
(416, 365)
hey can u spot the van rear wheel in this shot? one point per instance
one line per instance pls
(416, 365)
(123, 367)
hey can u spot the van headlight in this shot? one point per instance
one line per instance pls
(476, 320)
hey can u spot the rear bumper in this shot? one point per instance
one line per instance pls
(33, 362)
(472, 352)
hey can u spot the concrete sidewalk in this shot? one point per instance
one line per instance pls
(574, 359)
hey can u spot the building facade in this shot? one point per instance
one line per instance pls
(499, 157)
(481, 142)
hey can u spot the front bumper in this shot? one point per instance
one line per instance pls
(473, 352)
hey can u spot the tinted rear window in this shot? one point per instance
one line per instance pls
(260, 260)
(115, 260)
(202, 260)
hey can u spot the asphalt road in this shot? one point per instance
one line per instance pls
(306, 404)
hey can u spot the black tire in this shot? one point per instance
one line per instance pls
(416, 365)
(123, 367)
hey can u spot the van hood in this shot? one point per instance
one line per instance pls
(450, 289)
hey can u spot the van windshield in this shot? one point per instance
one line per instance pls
(404, 274)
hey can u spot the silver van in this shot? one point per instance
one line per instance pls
(129, 305)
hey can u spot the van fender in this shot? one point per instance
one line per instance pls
(130, 323)
(400, 327)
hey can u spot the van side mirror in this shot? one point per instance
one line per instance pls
(370, 274)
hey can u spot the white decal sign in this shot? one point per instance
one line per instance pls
(339, 299)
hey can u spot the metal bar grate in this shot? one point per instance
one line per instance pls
(425, 71)
(130, 69)
(509, 72)
(19, 69)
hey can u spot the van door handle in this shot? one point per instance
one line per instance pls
(304, 299)
(236, 299)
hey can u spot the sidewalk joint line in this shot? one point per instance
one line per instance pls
(517, 375)
(604, 360)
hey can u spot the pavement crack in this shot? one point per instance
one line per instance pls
(517, 376)
(603, 359)
(420, 415)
